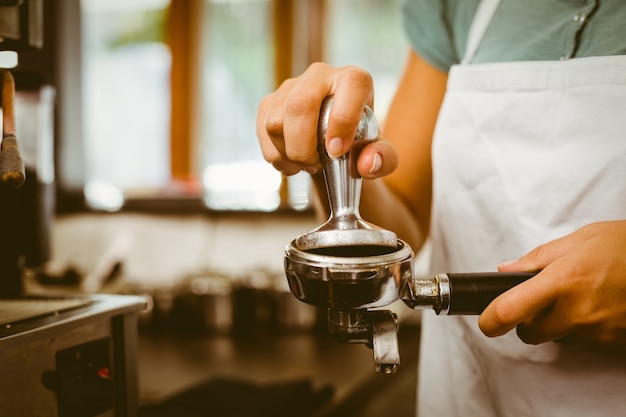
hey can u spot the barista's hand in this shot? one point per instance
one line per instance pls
(287, 121)
(579, 297)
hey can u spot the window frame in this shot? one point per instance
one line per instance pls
(297, 41)
(63, 18)
(184, 26)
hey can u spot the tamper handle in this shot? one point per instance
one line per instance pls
(345, 228)
(343, 183)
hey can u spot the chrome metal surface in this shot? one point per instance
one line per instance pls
(443, 281)
(348, 265)
(429, 293)
(349, 282)
(350, 326)
(385, 341)
(345, 227)
(378, 329)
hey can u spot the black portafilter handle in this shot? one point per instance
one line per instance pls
(457, 293)
(471, 292)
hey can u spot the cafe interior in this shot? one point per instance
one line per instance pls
(143, 254)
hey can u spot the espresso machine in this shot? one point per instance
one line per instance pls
(61, 355)
(354, 268)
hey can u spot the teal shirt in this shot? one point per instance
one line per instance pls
(521, 30)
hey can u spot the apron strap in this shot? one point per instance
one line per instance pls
(485, 12)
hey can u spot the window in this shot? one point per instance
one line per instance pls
(171, 88)
(236, 53)
(368, 33)
(126, 99)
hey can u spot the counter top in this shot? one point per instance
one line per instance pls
(170, 364)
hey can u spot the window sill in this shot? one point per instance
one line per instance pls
(171, 203)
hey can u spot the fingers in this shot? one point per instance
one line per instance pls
(287, 119)
(269, 133)
(377, 159)
(539, 257)
(533, 309)
(579, 322)
(354, 89)
(299, 111)
(520, 304)
(530, 306)
(577, 298)
(548, 325)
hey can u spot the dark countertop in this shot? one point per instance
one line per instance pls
(171, 363)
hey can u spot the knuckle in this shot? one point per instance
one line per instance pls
(317, 67)
(287, 84)
(274, 125)
(357, 78)
(540, 252)
(344, 123)
(301, 103)
(300, 155)
(503, 313)
(284, 167)
(272, 156)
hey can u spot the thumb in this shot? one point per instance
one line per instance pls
(539, 257)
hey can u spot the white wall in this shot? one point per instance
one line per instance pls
(160, 249)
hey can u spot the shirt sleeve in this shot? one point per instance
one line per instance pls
(437, 29)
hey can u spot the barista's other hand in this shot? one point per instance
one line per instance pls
(287, 121)
(579, 297)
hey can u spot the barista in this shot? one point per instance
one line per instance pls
(505, 140)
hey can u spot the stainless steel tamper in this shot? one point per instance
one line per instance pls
(347, 264)
(353, 268)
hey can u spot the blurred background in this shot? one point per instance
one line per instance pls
(145, 112)
(179, 83)
(156, 107)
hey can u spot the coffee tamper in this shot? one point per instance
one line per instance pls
(353, 268)
(348, 265)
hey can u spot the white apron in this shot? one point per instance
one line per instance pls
(524, 152)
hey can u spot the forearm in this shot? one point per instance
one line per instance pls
(401, 201)
(381, 206)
